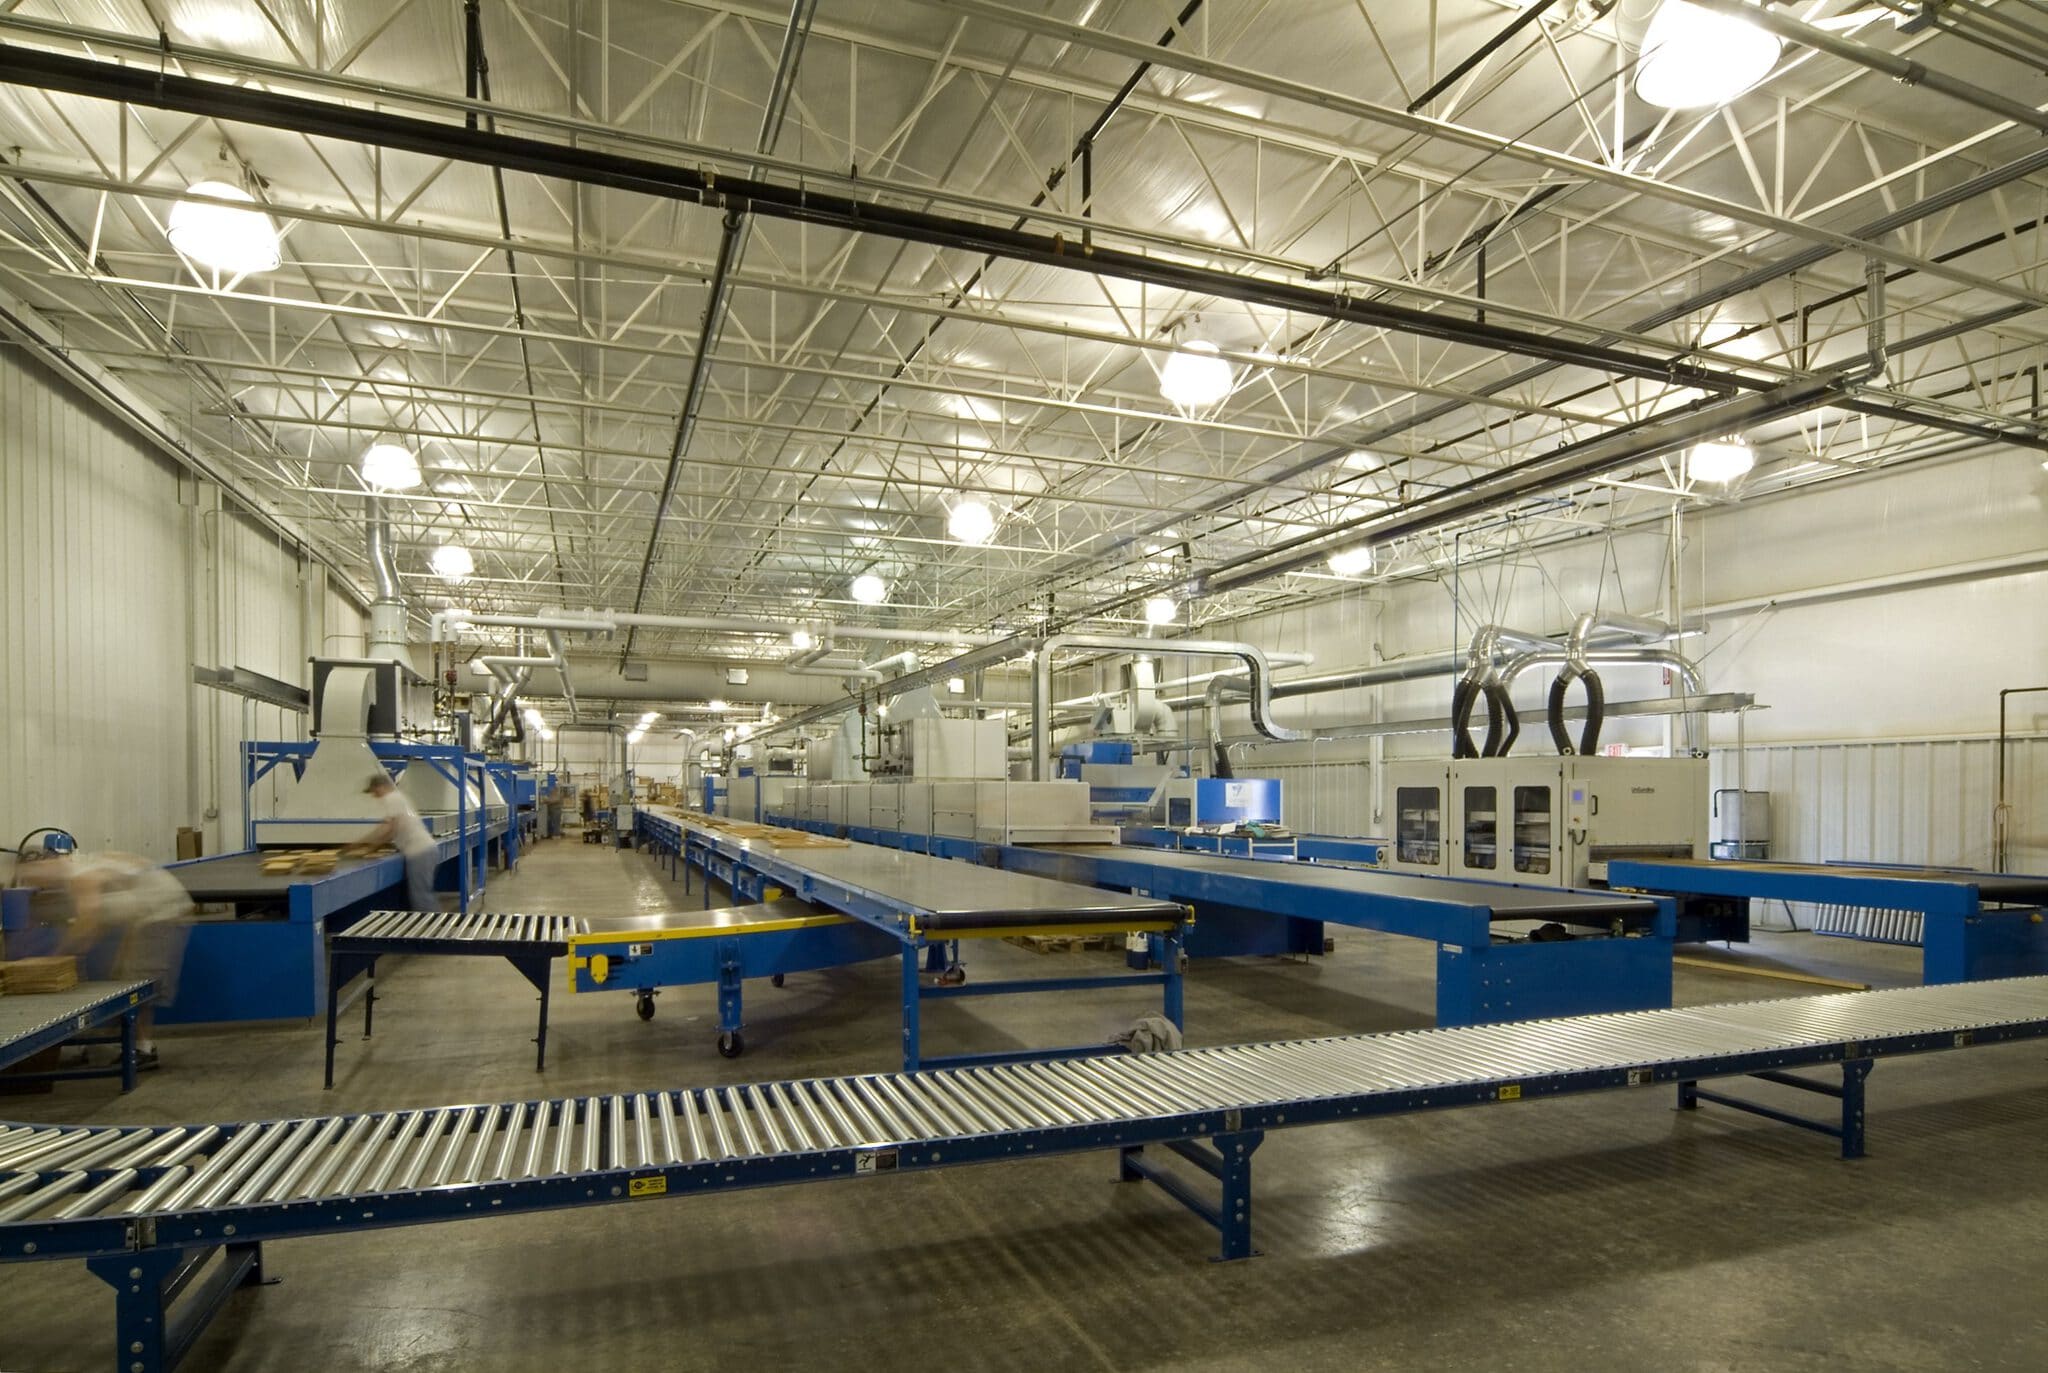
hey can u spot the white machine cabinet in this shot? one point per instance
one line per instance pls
(1549, 820)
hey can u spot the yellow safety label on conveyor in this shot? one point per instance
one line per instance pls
(1511, 1092)
(646, 1187)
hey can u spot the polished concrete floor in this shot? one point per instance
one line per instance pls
(1589, 1233)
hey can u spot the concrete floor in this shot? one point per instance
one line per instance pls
(1597, 1232)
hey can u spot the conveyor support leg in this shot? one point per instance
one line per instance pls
(729, 986)
(155, 1319)
(1850, 1093)
(1229, 1161)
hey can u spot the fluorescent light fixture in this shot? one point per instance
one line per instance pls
(635, 736)
(452, 562)
(957, 685)
(717, 707)
(1195, 375)
(649, 718)
(231, 241)
(1160, 610)
(390, 467)
(869, 589)
(801, 640)
(1358, 460)
(1722, 460)
(971, 522)
(1696, 58)
(1352, 562)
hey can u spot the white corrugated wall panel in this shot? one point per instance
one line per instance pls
(93, 623)
(1897, 801)
(116, 578)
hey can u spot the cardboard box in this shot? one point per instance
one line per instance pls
(190, 844)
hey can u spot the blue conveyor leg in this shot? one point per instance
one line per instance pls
(729, 986)
(1229, 1162)
(1854, 1071)
(913, 992)
(162, 1304)
(128, 1049)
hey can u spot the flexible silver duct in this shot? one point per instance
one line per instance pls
(383, 566)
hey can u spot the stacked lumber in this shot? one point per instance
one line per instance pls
(768, 834)
(52, 973)
(300, 862)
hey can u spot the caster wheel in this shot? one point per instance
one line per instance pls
(644, 1007)
(731, 1044)
(953, 976)
(776, 980)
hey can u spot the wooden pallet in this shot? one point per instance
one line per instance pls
(1064, 943)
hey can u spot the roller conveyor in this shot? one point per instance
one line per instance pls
(141, 1203)
(530, 943)
(34, 1021)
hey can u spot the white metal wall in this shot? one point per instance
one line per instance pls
(117, 576)
(93, 727)
(1876, 706)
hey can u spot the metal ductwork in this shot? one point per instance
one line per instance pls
(1258, 670)
(387, 610)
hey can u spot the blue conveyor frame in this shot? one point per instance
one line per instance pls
(931, 970)
(1478, 979)
(1967, 934)
(146, 1252)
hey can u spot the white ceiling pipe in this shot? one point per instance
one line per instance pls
(1192, 679)
(440, 621)
(738, 626)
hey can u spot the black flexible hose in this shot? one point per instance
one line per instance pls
(1511, 720)
(1596, 711)
(1491, 747)
(1462, 697)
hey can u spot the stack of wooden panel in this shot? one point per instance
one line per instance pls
(300, 862)
(25, 976)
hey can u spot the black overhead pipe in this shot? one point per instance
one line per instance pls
(732, 247)
(94, 79)
(1480, 54)
(2000, 808)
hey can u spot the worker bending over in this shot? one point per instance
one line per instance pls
(128, 921)
(403, 829)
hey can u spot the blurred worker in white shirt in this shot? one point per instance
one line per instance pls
(128, 921)
(403, 829)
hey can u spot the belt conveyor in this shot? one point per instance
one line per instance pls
(143, 1206)
(528, 942)
(1618, 958)
(1972, 924)
(31, 1022)
(927, 905)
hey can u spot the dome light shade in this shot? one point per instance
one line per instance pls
(1721, 461)
(235, 242)
(452, 562)
(1160, 610)
(801, 640)
(1696, 58)
(1352, 562)
(1195, 375)
(390, 467)
(971, 522)
(869, 589)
